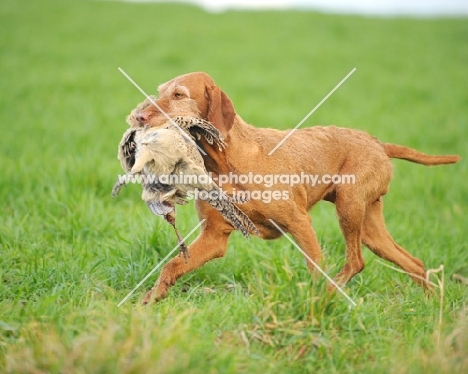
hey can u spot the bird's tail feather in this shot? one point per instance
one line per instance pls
(234, 215)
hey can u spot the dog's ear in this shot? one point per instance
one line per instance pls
(221, 112)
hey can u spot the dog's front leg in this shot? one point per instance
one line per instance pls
(304, 235)
(210, 244)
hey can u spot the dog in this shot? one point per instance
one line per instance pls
(321, 151)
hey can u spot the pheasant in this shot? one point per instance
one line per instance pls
(167, 151)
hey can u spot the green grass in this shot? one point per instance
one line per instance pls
(69, 253)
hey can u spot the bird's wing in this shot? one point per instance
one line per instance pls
(127, 149)
(193, 154)
(198, 127)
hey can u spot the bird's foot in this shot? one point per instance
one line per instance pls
(117, 187)
(183, 251)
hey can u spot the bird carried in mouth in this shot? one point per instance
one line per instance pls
(170, 150)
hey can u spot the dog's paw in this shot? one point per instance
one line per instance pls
(154, 295)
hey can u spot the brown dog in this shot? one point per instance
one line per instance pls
(320, 151)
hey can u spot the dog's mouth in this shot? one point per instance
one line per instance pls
(160, 208)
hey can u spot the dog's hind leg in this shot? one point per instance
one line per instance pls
(350, 212)
(376, 237)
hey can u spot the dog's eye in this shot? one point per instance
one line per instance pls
(178, 95)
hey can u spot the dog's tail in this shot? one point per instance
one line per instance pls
(410, 154)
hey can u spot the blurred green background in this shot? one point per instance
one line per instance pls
(69, 253)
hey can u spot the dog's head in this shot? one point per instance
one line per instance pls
(193, 94)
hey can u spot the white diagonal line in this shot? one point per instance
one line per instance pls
(160, 263)
(162, 111)
(314, 263)
(310, 113)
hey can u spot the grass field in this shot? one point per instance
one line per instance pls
(70, 253)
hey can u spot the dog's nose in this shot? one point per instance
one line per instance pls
(142, 117)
